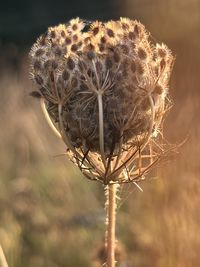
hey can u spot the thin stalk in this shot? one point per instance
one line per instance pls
(101, 128)
(3, 262)
(111, 191)
(47, 117)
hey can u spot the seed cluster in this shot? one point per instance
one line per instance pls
(102, 81)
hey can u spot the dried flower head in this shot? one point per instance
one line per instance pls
(105, 88)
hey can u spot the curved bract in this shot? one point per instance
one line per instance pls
(105, 88)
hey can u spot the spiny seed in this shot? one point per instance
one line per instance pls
(110, 33)
(108, 63)
(116, 56)
(101, 47)
(158, 89)
(70, 63)
(125, 26)
(43, 40)
(58, 51)
(74, 48)
(103, 39)
(162, 64)
(87, 40)
(74, 82)
(131, 35)
(95, 30)
(162, 53)
(136, 29)
(90, 47)
(36, 94)
(65, 75)
(53, 34)
(54, 64)
(74, 27)
(39, 52)
(142, 54)
(53, 45)
(90, 55)
(37, 65)
(63, 34)
(79, 53)
(124, 49)
(68, 41)
(132, 46)
(47, 63)
(64, 50)
(80, 44)
(39, 79)
(75, 37)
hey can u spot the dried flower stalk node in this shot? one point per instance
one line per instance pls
(105, 88)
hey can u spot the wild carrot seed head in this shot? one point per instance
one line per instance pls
(108, 80)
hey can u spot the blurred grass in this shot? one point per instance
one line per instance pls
(51, 216)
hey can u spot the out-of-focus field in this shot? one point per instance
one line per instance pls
(50, 215)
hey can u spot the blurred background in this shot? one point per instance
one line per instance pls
(50, 215)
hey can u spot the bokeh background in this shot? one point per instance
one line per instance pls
(50, 215)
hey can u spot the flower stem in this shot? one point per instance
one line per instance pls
(101, 128)
(111, 222)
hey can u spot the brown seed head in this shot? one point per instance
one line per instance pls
(105, 90)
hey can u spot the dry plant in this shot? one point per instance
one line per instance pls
(104, 91)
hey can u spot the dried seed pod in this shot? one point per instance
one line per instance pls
(108, 92)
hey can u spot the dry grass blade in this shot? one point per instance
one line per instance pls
(3, 262)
